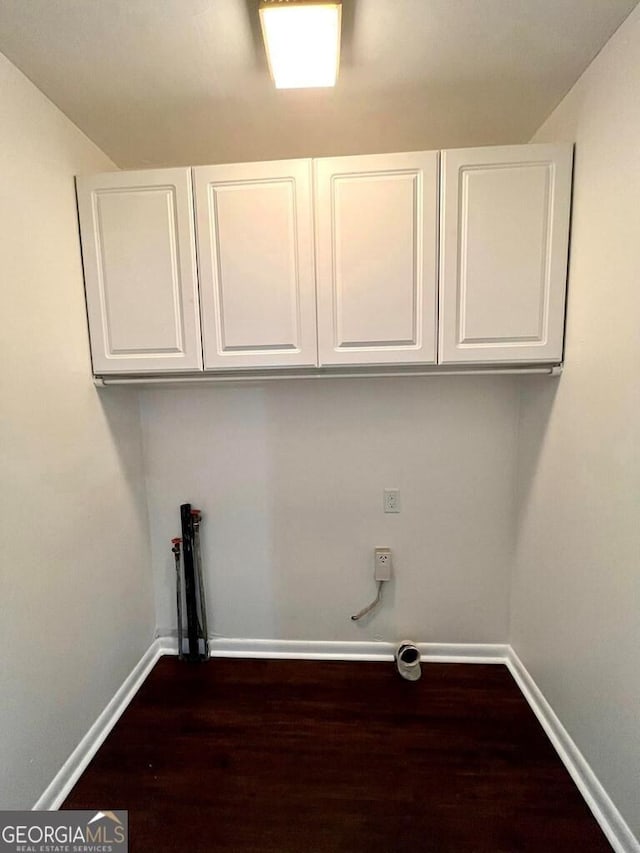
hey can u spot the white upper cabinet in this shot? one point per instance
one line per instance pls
(140, 271)
(503, 253)
(376, 250)
(255, 254)
(354, 239)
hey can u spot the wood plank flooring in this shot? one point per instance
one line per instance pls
(344, 757)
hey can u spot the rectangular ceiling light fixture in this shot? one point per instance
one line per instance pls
(302, 38)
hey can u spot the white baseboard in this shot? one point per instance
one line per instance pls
(64, 780)
(221, 647)
(605, 812)
(611, 821)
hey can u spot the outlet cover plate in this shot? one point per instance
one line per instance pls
(392, 500)
(382, 564)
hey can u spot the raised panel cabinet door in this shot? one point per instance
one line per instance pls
(376, 244)
(503, 253)
(141, 282)
(255, 254)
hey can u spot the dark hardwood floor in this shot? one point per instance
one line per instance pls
(305, 756)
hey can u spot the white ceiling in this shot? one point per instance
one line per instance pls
(168, 82)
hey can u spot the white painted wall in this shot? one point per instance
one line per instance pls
(576, 593)
(77, 607)
(290, 477)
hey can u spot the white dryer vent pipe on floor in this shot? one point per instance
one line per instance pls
(408, 661)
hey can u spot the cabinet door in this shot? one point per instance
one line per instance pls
(141, 281)
(376, 258)
(504, 239)
(255, 251)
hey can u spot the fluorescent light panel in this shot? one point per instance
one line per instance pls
(303, 43)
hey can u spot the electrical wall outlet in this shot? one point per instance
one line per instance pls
(382, 564)
(392, 500)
